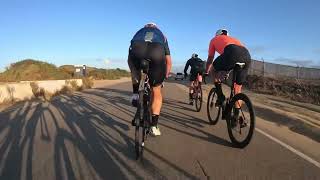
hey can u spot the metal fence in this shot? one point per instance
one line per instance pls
(265, 69)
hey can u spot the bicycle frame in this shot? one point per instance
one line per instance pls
(197, 82)
(143, 89)
(234, 72)
(143, 109)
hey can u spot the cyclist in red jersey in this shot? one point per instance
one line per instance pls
(231, 51)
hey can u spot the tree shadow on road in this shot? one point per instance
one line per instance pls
(176, 116)
(18, 140)
(89, 135)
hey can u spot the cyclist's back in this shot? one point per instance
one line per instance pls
(197, 67)
(149, 34)
(231, 52)
(150, 43)
(196, 64)
(219, 43)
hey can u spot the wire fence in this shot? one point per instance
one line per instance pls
(265, 69)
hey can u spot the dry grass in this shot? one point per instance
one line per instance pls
(87, 83)
(110, 74)
(70, 87)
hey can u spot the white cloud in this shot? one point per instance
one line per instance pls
(107, 61)
(295, 62)
(258, 49)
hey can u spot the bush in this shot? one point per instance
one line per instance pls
(74, 85)
(32, 70)
(48, 96)
(87, 83)
(35, 89)
(110, 74)
(65, 90)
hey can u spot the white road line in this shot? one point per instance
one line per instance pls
(290, 148)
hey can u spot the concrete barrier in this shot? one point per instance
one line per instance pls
(10, 92)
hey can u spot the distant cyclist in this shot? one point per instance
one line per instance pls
(231, 51)
(150, 43)
(197, 67)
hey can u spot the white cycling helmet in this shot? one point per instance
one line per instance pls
(222, 31)
(150, 24)
(194, 55)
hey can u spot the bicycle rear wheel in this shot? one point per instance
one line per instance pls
(198, 98)
(240, 128)
(140, 128)
(213, 111)
(137, 139)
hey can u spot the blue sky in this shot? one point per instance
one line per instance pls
(98, 32)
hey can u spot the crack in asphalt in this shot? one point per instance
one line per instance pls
(203, 170)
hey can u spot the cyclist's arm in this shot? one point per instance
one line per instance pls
(210, 56)
(209, 64)
(169, 65)
(168, 58)
(186, 67)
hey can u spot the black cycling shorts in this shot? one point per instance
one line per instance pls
(227, 61)
(193, 76)
(155, 52)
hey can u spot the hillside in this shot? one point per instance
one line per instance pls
(34, 70)
(31, 70)
(97, 73)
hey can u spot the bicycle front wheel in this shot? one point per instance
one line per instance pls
(198, 99)
(213, 111)
(240, 121)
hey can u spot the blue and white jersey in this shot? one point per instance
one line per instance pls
(150, 34)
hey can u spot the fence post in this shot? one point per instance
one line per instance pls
(263, 67)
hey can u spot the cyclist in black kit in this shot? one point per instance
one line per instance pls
(197, 67)
(150, 43)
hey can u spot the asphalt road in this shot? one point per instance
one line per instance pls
(88, 136)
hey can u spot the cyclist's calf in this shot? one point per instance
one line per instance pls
(156, 100)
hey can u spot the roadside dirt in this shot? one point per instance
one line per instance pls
(307, 91)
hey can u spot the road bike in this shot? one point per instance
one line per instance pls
(197, 92)
(143, 114)
(240, 128)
